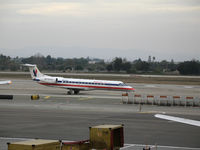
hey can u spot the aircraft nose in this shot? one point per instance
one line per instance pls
(131, 88)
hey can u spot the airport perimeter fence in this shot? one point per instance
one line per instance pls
(161, 100)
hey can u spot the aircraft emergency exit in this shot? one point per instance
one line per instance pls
(76, 85)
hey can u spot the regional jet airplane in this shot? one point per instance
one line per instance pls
(5, 82)
(76, 85)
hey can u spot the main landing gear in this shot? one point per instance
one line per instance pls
(75, 92)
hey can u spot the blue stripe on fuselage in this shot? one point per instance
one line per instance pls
(36, 79)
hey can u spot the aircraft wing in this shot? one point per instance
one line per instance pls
(5, 82)
(178, 119)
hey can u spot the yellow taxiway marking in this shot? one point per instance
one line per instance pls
(85, 98)
(46, 97)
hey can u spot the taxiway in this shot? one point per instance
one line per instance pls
(59, 116)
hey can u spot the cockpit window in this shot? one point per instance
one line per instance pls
(122, 84)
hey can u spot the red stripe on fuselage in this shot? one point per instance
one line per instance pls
(99, 87)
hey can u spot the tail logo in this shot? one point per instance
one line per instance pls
(35, 72)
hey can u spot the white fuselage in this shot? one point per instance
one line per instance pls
(83, 84)
(76, 85)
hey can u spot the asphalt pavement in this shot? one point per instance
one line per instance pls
(58, 116)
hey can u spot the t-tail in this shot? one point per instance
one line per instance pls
(35, 72)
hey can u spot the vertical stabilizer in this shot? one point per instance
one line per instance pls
(35, 72)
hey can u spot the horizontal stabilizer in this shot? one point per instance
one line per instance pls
(29, 65)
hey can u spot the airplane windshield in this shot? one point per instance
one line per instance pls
(122, 84)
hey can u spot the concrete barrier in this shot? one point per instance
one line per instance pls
(196, 101)
(176, 100)
(127, 98)
(189, 101)
(137, 99)
(166, 100)
(150, 99)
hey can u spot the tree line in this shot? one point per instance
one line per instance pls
(117, 65)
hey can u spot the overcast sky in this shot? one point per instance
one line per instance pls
(166, 29)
